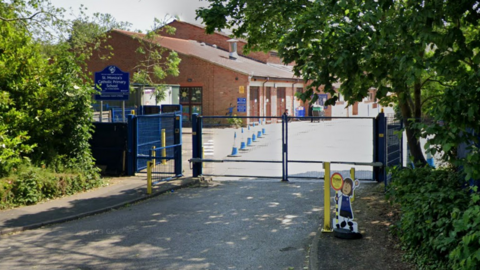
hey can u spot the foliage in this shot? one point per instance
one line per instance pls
(412, 52)
(42, 20)
(467, 253)
(45, 113)
(157, 62)
(87, 30)
(29, 185)
(234, 121)
(438, 219)
(361, 44)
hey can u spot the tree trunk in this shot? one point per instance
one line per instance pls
(412, 134)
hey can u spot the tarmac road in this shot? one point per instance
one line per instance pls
(248, 224)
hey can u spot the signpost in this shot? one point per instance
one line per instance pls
(113, 84)
(336, 181)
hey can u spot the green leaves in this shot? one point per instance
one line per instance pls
(157, 63)
(44, 111)
(433, 205)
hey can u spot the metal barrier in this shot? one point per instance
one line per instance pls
(394, 145)
(156, 138)
(277, 141)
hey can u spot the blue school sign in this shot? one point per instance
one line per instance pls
(241, 105)
(113, 84)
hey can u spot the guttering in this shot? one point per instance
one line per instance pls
(275, 79)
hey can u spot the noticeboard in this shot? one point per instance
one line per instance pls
(113, 84)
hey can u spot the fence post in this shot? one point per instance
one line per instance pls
(131, 147)
(177, 140)
(164, 145)
(149, 177)
(196, 144)
(381, 143)
(154, 154)
(284, 148)
(326, 199)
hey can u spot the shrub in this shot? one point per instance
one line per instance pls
(429, 200)
(466, 255)
(237, 122)
(29, 185)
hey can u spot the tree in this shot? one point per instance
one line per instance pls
(45, 114)
(392, 46)
(86, 30)
(158, 62)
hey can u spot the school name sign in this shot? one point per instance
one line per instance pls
(113, 84)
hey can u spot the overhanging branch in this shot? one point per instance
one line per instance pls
(20, 19)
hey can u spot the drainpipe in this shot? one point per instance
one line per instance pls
(265, 99)
(293, 98)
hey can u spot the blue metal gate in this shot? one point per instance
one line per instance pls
(156, 137)
(394, 145)
(283, 148)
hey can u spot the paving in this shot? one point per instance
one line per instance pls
(122, 191)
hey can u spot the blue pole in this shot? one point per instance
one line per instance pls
(284, 148)
(177, 125)
(196, 144)
(382, 146)
(131, 147)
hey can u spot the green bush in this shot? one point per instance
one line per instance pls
(30, 185)
(430, 201)
(237, 122)
(466, 255)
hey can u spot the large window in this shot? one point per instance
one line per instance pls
(191, 101)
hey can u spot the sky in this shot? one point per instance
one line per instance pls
(140, 13)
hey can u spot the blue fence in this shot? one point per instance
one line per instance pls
(156, 137)
(376, 127)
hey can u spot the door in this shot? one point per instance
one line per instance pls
(191, 101)
(281, 100)
(254, 100)
(268, 102)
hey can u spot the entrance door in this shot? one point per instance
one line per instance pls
(281, 100)
(268, 102)
(254, 101)
(191, 101)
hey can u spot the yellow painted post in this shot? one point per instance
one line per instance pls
(154, 153)
(352, 175)
(164, 144)
(149, 177)
(326, 199)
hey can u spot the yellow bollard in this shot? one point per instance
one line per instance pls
(352, 175)
(326, 198)
(164, 150)
(154, 154)
(149, 177)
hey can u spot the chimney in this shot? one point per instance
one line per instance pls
(233, 49)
